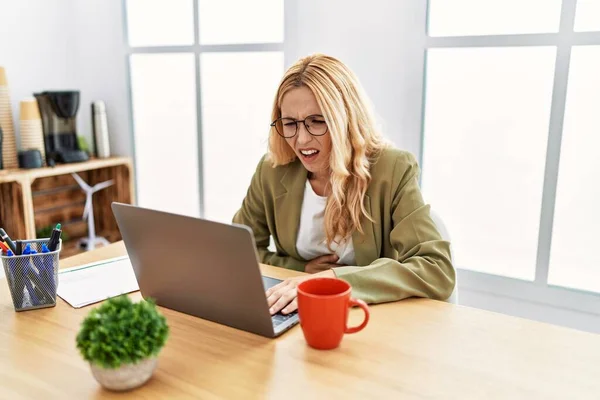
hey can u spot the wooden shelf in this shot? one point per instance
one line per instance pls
(14, 175)
(34, 199)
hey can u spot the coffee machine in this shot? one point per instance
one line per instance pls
(58, 111)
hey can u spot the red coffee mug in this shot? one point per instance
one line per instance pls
(323, 305)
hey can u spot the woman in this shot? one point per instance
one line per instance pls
(337, 200)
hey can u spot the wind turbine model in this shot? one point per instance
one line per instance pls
(90, 242)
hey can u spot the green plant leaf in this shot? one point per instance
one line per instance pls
(122, 332)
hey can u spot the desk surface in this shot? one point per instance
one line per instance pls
(412, 349)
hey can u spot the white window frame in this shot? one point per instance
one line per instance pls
(536, 291)
(197, 50)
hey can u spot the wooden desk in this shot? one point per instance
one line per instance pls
(413, 349)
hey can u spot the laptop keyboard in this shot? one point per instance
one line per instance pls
(280, 318)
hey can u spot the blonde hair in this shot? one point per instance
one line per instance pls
(355, 140)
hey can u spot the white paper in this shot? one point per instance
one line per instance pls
(91, 283)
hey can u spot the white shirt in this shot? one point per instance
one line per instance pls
(311, 241)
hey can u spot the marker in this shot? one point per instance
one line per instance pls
(38, 262)
(27, 250)
(40, 291)
(19, 249)
(15, 281)
(35, 293)
(48, 268)
(24, 276)
(4, 248)
(54, 238)
(9, 242)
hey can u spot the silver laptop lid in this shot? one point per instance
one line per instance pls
(195, 266)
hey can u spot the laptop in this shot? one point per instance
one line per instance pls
(200, 267)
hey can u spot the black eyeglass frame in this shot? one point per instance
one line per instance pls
(274, 125)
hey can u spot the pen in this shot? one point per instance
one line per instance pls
(16, 282)
(36, 277)
(28, 275)
(3, 247)
(48, 268)
(10, 272)
(9, 242)
(35, 293)
(54, 238)
(24, 271)
(38, 262)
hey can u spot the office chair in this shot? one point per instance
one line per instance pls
(437, 220)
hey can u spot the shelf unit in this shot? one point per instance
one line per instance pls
(33, 199)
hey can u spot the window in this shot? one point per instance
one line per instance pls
(587, 17)
(203, 80)
(573, 260)
(256, 21)
(166, 140)
(492, 17)
(160, 22)
(235, 130)
(486, 128)
(510, 139)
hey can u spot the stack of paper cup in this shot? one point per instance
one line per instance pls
(9, 144)
(32, 135)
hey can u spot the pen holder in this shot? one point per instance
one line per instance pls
(32, 279)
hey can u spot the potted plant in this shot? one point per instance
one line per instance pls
(121, 341)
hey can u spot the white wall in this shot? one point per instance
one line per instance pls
(35, 47)
(101, 68)
(65, 45)
(381, 41)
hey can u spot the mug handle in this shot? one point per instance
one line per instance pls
(365, 308)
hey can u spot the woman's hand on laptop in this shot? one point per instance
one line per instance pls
(283, 296)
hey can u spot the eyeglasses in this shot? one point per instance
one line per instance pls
(288, 127)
